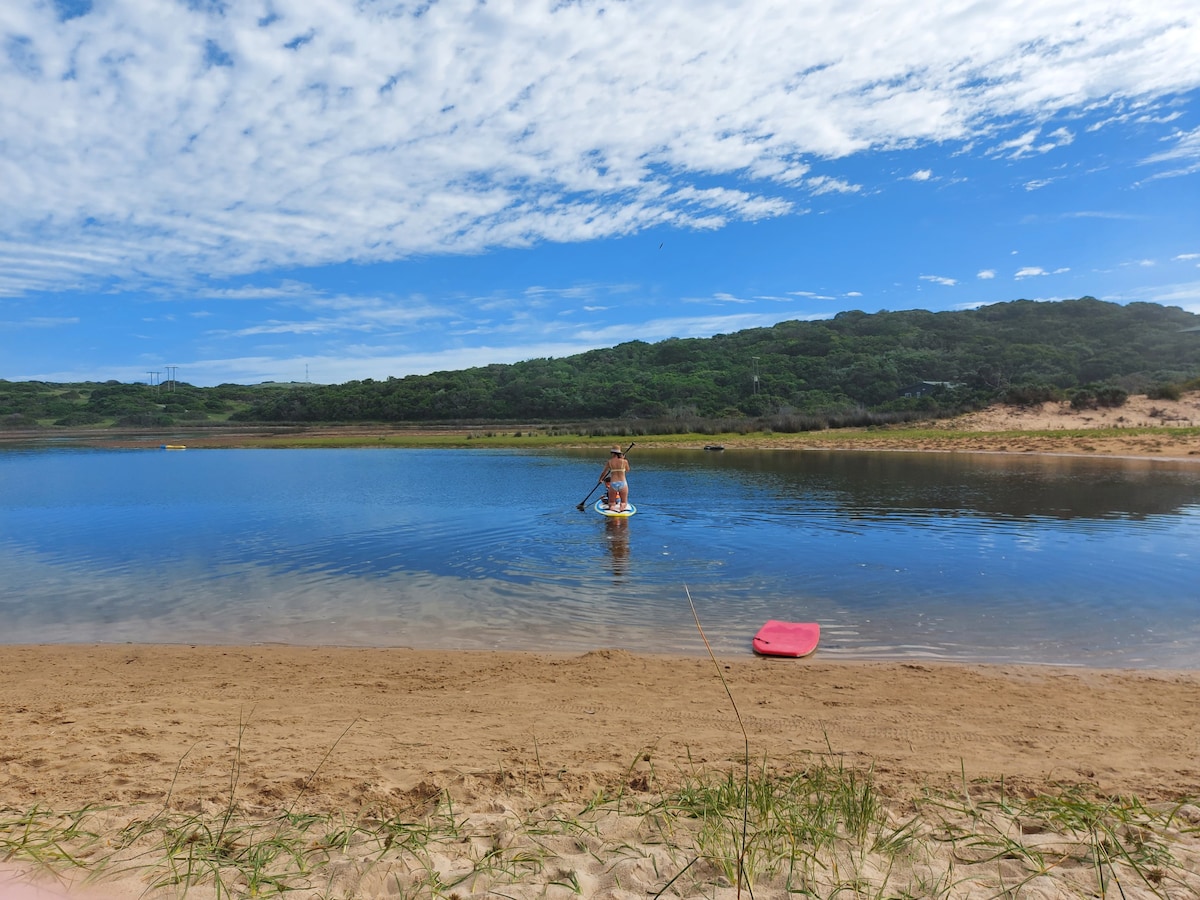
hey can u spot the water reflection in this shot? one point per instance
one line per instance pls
(995, 485)
(616, 535)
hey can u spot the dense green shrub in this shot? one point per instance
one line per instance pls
(1111, 396)
(1165, 392)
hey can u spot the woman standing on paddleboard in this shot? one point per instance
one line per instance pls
(616, 478)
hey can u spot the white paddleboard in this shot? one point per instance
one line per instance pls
(602, 508)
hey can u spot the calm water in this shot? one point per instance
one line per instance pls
(967, 557)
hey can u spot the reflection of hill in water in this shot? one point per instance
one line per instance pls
(997, 485)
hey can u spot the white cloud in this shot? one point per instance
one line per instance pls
(1185, 151)
(939, 279)
(1098, 214)
(40, 322)
(825, 185)
(285, 289)
(1185, 295)
(1186, 256)
(683, 327)
(213, 139)
(986, 274)
(1037, 271)
(921, 175)
(1032, 142)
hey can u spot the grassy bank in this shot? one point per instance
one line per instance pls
(547, 437)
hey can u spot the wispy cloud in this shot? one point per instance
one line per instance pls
(283, 290)
(380, 188)
(209, 139)
(825, 185)
(1185, 295)
(40, 322)
(1038, 271)
(1034, 142)
(698, 326)
(1098, 214)
(1185, 150)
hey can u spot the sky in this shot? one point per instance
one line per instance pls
(331, 190)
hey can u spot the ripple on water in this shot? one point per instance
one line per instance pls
(893, 556)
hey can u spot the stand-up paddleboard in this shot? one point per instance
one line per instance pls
(602, 508)
(787, 638)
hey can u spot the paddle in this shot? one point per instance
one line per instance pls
(583, 502)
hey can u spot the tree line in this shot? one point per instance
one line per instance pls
(853, 367)
(853, 361)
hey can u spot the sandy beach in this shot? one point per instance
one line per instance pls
(126, 724)
(163, 771)
(373, 734)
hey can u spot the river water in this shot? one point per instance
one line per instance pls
(967, 557)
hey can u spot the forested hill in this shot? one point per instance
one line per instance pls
(854, 360)
(890, 363)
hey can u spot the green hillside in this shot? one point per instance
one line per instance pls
(852, 368)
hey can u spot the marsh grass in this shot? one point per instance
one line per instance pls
(45, 838)
(1118, 846)
(824, 831)
(549, 437)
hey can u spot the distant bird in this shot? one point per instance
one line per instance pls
(660, 245)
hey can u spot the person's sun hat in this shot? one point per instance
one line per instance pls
(615, 450)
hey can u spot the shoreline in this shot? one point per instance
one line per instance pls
(1140, 429)
(1175, 445)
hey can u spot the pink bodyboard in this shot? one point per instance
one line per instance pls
(787, 638)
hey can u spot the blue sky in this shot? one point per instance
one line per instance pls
(330, 190)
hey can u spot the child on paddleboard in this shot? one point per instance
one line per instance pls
(616, 479)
